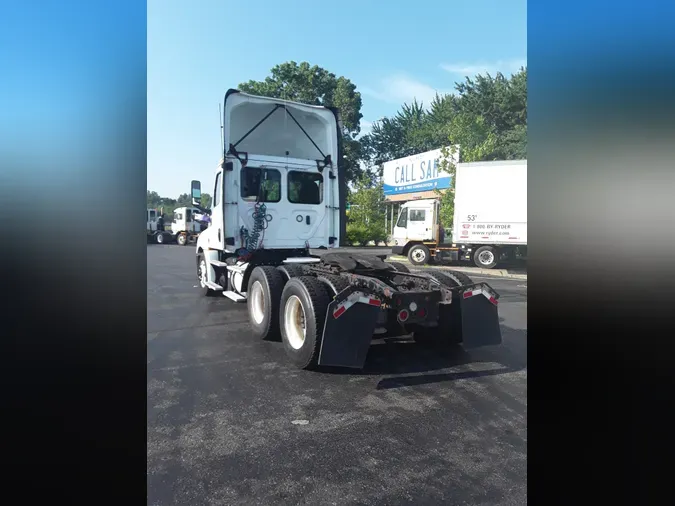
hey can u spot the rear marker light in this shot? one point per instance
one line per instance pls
(421, 313)
(467, 294)
(339, 311)
(375, 302)
(493, 300)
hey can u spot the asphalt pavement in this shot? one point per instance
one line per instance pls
(231, 422)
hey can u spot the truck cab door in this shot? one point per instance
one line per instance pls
(188, 220)
(217, 237)
(420, 224)
(400, 233)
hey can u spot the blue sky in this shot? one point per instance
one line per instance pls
(393, 51)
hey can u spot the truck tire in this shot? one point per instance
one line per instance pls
(201, 276)
(159, 238)
(419, 254)
(451, 278)
(447, 334)
(264, 293)
(291, 271)
(303, 308)
(399, 266)
(485, 257)
(334, 282)
(181, 239)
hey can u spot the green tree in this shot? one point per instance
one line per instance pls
(153, 200)
(367, 212)
(502, 104)
(317, 86)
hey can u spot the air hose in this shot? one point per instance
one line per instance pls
(251, 239)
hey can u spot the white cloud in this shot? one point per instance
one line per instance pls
(399, 89)
(506, 67)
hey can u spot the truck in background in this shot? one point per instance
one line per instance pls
(155, 235)
(185, 227)
(490, 219)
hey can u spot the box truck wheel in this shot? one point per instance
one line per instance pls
(304, 304)
(182, 239)
(159, 238)
(485, 257)
(448, 333)
(264, 292)
(419, 254)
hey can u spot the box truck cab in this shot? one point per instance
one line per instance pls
(419, 234)
(185, 227)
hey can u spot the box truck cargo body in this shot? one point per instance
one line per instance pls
(491, 203)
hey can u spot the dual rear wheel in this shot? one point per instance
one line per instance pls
(289, 306)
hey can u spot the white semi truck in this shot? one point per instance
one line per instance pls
(275, 196)
(490, 218)
(185, 227)
(154, 235)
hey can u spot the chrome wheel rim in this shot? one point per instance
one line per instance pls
(419, 255)
(486, 257)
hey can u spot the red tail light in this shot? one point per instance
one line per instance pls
(422, 313)
(403, 315)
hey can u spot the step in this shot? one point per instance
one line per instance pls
(234, 296)
(217, 263)
(214, 286)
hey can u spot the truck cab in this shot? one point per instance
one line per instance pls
(276, 187)
(417, 222)
(419, 233)
(151, 219)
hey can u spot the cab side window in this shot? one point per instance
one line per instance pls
(417, 215)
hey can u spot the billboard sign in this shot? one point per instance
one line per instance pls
(416, 173)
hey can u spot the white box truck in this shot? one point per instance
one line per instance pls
(490, 219)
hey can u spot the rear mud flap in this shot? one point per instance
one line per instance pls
(346, 339)
(480, 322)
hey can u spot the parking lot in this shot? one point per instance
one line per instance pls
(231, 422)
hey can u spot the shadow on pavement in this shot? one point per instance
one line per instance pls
(403, 356)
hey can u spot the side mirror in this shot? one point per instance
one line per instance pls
(196, 189)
